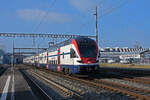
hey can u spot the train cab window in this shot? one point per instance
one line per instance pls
(73, 54)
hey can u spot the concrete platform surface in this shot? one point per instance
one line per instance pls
(14, 87)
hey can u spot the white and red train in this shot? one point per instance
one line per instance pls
(75, 56)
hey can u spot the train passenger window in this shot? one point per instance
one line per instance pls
(63, 55)
(55, 61)
(73, 54)
(40, 58)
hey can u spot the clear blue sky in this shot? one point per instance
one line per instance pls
(121, 22)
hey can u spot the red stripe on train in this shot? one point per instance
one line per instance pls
(58, 59)
(47, 61)
(96, 49)
(39, 60)
(76, 46)
(88, 60)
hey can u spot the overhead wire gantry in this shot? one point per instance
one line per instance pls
(42, 35)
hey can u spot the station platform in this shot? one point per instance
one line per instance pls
(13, 86)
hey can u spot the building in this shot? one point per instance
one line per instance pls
(1, 56)
(110, 55)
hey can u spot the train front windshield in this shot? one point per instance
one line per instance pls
(87, 47)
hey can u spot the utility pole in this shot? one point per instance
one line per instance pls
(96, 15)
(13, 55)
(137, 46)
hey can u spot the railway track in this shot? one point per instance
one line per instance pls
(138, 80)
(126, 87)
(126, 90)
(133, 92)
(133, 78)
(34, 85)
(63, 89)
(142, 80)
(83, 89)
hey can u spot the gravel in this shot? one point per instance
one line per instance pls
(88, 92)
(129, 83)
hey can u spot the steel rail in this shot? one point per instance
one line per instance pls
(66, 90)
(123, 86)
(43, 93)
(138, 80)
(110, 88)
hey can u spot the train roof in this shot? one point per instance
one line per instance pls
(69, 41)
(84, 40)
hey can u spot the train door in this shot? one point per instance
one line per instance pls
(72, 56)
(38, 60)
(58, 60)
(47, 60)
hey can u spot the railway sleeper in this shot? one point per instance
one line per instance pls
(125, 86)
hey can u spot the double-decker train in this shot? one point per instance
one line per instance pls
(75, 56)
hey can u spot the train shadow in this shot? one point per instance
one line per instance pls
(119, 73)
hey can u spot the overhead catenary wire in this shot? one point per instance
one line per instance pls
(42, 19)
(44, 16)
(106, 11)
(84, 25)
(112, 9)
